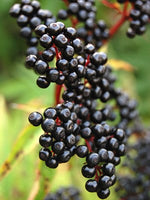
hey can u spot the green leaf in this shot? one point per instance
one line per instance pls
(23, 145)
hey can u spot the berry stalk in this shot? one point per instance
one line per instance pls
(117, 26)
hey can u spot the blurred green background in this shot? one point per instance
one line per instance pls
(19, 96)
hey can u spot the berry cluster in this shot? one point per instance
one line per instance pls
(60, 42)
(136, 186)
(62, 133)
(68, 193)
(76, 125)
(92, 31)
(139, 17)
(102, 148)
(29, 15)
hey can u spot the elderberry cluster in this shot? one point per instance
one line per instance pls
(29, 15)
(135, 186)
(68, 193)
(139, 17)
(61, 128)
(64, 127)
(79, 123)
(84, 11)
(60, 42)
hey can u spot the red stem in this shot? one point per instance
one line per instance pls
(57, 53)
(116, 27)
(87, 60)
(96, 175)
(66, 2)
(57, 93)
(124, 17)
(88, 145)
(111, 5)
(98, 170)
(74, 21)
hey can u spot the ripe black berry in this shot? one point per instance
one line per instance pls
(88, 172)
(44, 154)
(51, 163)
(103, 194)
(41, 67)
(42, 82)
(35, 118)
(48, 125)
(50, 113)
(61, 41)
(30, 61)
(109, 169)
(45, 140)
(46, 41)
(91, 185)
(82, 151)
(15, 10)
(58, 147)
(93, 159)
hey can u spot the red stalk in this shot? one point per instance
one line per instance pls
(124, 17)
(87, 60)
(57, 94)
(111, 5)
(66, 2)
(88, 145)
(74, 21)
(57, 53)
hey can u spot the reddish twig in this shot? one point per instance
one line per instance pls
(88, 145)
(57, 93)
(66, 2)
(111, 5)
(96, 176)
(87, 61)
(74, 22)
(57, 52)
(98, 173)
(123, 18)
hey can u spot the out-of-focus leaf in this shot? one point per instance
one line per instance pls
(46, 180)
(23, 145)
(136, 52)
(104, 48)
(36, 185)
(3, 116)
(120, 64)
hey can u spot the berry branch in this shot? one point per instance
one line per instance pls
(111, 5)
(88, 145)
(121, 21)
(66, 2)
(57, 94)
